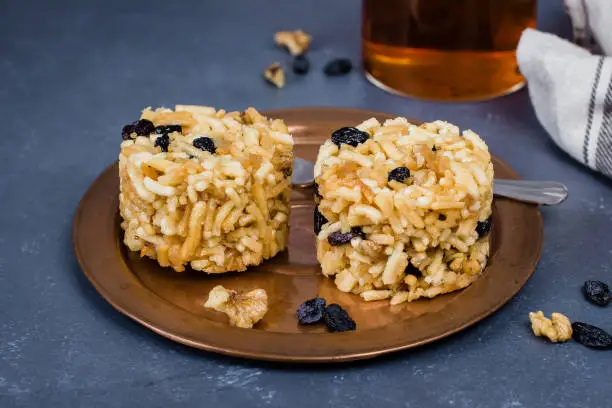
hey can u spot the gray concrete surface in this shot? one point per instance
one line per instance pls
(73, 72)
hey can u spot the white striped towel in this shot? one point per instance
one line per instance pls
(570, 88)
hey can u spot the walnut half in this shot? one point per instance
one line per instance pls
(296, 42)
(559, 329)
(243, 309)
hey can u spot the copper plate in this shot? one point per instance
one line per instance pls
(170, 303)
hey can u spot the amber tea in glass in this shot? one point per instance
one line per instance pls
(445, 49)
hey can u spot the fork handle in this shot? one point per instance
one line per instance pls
(535, 192)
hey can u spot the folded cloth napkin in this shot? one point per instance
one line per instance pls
(570, 88)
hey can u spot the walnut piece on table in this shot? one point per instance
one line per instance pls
(296, 42)
(243, 309)
(557, 330)
(275, 74)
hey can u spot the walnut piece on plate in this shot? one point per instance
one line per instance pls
(243, 309)
(275, 74)
(559, 329)
(296, 42)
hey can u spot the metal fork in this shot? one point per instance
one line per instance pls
(534, 192)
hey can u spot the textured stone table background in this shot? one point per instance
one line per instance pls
(73, 72)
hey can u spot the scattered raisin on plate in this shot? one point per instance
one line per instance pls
(483, 227)
(591, 336)
(319, 220)
(337, 67)
(311, 311)
(141, 127)
(597, 292)
(205, 143)
(399, 174)
(337, 319)
(300, 65)
(349, 135)
(163, 142)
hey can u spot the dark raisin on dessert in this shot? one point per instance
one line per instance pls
(287, 171)
(311, 311)
(483, 227)
(319, 220)
(399, 174)
(317, 195)
(338, 238)
(338, 67)
(141, 127)
(442, 217)
(160, 130)
(358, 232)
(412, 270)
(144, 127)
(337, 319)
(126, 132)
(206, 144)
(163, 142)
(350, 136)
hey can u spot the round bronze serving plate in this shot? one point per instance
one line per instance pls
(171, 303)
